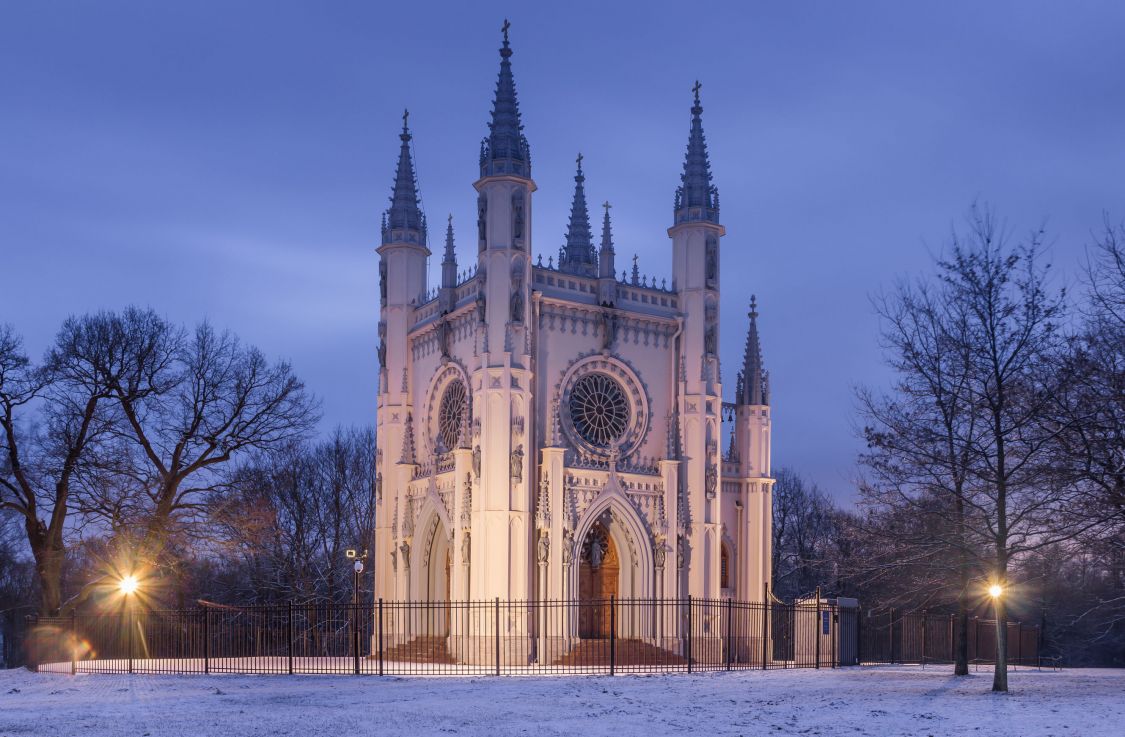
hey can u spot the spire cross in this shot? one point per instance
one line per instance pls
(505, 28)
(606, 205)
(405, 117)
(579, 161)
(450, 219)
(696, 89)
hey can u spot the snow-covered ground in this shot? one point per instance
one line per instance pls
(876, 700)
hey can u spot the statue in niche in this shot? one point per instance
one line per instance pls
(543, 551)
(681, 551)
(443, 335)
(517, 218)
(382, 351)
(482, 298)
(517, 301)
(712, 261)
(609, 329)
(482, 219)
(476, 461)
(405, 550)
(517, 463)
(709, 340)
(465, 548)
(712, 481)
(568, 546)
(379, 487)
(382, 282)
(394, 561)
(659, 553)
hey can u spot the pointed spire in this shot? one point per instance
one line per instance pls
(754, 384)
(636, 271)
(696, 197)
(505, 149)
(404, 222)
(449, 260)
(577, 256)
(605, 256)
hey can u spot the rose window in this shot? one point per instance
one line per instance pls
(450, 414)
(599, 410)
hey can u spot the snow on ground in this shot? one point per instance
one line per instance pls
(874, 700)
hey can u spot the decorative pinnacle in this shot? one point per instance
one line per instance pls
(753, 314)
(405, 123)
(578, 160)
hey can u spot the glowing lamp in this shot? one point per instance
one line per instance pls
(995, 590)
(128, 585)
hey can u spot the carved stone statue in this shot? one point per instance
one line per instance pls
(712, 261)
(382, 282)
(379, 487)
(382, 350)
(568, 547)
(681, 551)
(517, 217)
(405, 550)
(443, 336)
(543, 551)
(482, 299)
(476, 461)
(709, 340)
(711, 480)
(465, 549)
(482, 219)
(517, 302)
(609, 329)
(659, 553)
(517, 463)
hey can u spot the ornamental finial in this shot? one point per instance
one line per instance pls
(698, 86)
(505, 28)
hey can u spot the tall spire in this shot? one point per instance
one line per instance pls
(505, 149)
(404, 221)
(449, 260)
(754, 382)
(696, 197)
(578, 255)
(605, 255)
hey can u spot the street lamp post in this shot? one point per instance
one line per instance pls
(1000, 668)
(128, 586)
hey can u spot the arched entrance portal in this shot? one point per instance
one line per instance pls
(438, 563)
(599, 576)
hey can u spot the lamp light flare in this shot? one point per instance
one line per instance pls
(128, 585)
(995, 590)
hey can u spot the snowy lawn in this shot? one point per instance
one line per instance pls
(876, 700)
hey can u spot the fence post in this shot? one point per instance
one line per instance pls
(289, 633)
(206, 640)
(817, 627)
(835, 630)
(688, 648)
(730, 640)
(355, 637)
(765, 622)
(612, 635)
(858, 636)
(380, 635)
(129, 624)
(923, 638)
(73, 642)
(1019, 643)
(952, 656)
(891, 633)
(496, 632)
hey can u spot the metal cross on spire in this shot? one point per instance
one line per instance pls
(695, 88)
(606, 205)
(579, 161)
(505, 28)
(405, 117)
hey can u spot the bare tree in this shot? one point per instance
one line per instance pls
(41, 462)
(185, 404)
(919, 440)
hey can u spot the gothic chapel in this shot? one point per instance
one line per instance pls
(555, 431)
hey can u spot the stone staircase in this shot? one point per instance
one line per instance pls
(421, 649)
(627, 653)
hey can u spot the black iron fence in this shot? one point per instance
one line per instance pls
(895, 636)
(485, 637)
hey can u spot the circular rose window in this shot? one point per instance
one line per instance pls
(599, 410)
(450, 414)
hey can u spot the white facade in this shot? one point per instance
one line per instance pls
(552, 432)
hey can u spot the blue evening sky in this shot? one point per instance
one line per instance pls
(230, 160)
